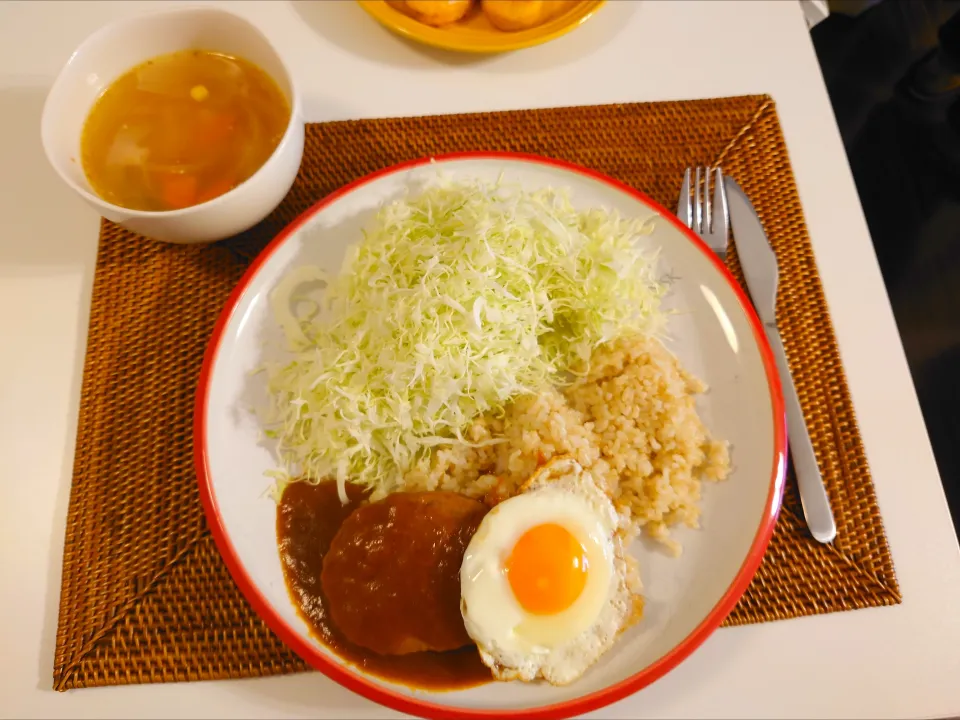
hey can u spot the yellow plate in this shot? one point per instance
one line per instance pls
(474, 33)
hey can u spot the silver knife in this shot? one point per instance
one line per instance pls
(759, 264)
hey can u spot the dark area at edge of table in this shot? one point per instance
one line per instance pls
(893, 75)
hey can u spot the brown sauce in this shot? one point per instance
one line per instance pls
(308, 518)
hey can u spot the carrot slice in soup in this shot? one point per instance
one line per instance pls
(215, 190)
(214, 128)
(179, 191)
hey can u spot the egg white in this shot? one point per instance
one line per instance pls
(515, 643)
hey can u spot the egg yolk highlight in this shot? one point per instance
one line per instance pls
(547, 569)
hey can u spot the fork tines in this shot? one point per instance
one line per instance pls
(710, 220)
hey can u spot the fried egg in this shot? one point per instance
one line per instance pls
(545, 587)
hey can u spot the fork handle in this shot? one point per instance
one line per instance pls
(813, 494)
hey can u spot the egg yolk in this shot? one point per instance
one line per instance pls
(547, 569)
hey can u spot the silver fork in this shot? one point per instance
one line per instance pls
(710, 222)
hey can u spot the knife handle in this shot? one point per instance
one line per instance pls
(813, 494)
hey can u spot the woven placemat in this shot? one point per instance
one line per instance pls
(145, 595)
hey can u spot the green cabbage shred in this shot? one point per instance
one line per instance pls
(460, 297)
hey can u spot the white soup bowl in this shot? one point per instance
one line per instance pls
(122, 45)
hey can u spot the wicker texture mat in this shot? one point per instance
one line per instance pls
(145, 596)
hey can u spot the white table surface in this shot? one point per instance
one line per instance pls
(902, 661)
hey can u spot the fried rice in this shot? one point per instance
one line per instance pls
(631, 420)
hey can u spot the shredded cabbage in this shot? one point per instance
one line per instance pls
(460, 297)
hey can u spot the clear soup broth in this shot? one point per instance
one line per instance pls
(181, 129)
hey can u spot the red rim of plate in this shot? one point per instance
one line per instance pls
(353, 679)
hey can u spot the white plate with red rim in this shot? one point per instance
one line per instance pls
(714, 332)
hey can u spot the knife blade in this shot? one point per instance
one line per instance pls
(757, 259)
(762, 275)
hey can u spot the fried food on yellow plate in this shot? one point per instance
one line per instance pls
(439, 12)
(512, 15)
